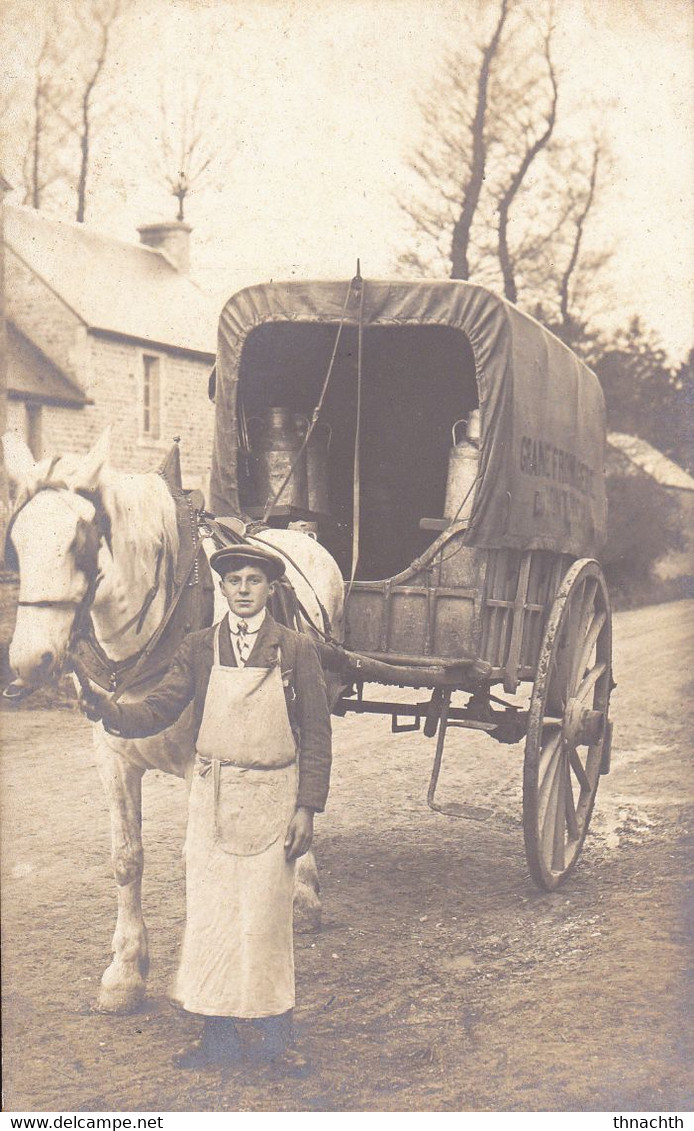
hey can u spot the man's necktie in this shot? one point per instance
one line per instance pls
(243, 641)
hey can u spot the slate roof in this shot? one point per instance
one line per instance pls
(116, 287)
(33, 376)
(649, 459)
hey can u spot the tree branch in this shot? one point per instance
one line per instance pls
(460, 266)
(509, 195)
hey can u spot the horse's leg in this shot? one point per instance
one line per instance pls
(123, 983)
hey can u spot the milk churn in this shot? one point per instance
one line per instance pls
(463, 466)
(275, 443)
(316, 464)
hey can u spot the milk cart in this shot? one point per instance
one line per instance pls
(449, 452)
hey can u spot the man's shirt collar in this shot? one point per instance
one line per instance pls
(254, 623)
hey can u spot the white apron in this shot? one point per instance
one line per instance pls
(237, 958)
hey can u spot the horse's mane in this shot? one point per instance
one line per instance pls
(140, 509)
(143, 517)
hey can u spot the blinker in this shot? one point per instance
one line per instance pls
(85, 547)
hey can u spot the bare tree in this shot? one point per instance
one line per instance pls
(95, 20)
(452, 159)
(31, 142)
(35, 180)
(535, 131)
(460, 241)
(53, 107)
(190, 139)
(51, 126)
(558, 266)
(499, 196)
(583, 204)
(185, 136)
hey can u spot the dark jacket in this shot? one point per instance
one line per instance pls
(189, 675)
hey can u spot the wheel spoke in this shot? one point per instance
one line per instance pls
(580, 630)
(590, 642)
(546, 762)
(589, 680)
(556, 680)
(553, 814)
(571, 819)
(559, 839)
(546, 791)
(558, 834)
(580, 771)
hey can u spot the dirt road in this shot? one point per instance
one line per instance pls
(442, 978)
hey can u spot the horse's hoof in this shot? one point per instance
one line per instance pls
(120, 999)
(307, 911)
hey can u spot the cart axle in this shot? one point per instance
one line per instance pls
(507, 726)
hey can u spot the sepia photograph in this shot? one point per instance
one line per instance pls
(346, 559)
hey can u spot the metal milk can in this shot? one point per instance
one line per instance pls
(318, 482)
(463, 466)
(275, 442)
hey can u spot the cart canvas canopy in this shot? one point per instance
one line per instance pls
(432, 351)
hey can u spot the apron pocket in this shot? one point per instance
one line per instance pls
(252, 808)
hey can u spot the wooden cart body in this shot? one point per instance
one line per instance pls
(492, 604)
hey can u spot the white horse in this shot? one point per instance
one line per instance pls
(91, 540)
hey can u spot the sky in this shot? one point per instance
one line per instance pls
(318, 103)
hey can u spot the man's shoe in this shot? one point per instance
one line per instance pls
(211, 1048)
(195, 1056)
(290, 1062)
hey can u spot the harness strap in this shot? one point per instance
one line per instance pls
(49, 604)
(139, 617)
(130, 667)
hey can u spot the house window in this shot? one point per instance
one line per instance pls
(151, 397)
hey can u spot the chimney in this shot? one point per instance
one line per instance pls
(173, 238)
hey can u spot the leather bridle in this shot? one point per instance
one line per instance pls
(88, 538)
(85, 654)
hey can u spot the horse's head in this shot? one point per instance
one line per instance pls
(55, 531)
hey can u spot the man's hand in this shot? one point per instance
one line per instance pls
(299, 834)
(95, 703)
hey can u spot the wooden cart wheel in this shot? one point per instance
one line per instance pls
(568, 728)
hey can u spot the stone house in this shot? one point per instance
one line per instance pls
(101, 331)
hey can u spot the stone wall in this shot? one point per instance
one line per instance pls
(114, 384)
(44, 318)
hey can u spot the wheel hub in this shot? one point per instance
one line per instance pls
(582, 725)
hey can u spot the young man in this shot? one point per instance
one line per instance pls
(262, 769)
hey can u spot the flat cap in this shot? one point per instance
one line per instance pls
(236, 557)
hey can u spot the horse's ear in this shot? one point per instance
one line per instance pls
(91, 465)
(19, 462)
